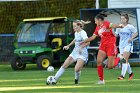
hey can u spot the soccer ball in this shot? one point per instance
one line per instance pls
(50, 69)
(51, 80)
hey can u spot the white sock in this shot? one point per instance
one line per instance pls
(77, 75)
(59, 73)
(124, 69)
(129, 68)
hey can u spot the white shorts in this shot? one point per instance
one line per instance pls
(75, 55)
(126, 49)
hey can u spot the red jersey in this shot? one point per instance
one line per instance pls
(106, 34)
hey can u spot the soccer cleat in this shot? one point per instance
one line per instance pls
(120, 78)
(101, 82)
(76, 81)
(131, 76)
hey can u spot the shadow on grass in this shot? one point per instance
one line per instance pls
(7, 67)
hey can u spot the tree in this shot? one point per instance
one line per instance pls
(12, 13)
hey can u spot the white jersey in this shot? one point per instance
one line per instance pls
(125, 34)
(79, 37)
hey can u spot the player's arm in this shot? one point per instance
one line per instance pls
(115, 25)
(84, 36)
(67, 47)
(135, 33)
(85, 44)
(133, 36)
(90, 38)
(72, 43)
(82, 46)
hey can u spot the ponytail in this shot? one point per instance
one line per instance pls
(81, 23)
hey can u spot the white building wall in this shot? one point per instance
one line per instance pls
(123, 3)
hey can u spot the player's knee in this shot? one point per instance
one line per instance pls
(77, 70)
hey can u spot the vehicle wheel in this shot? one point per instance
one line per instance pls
(17, 64)
(43, 62)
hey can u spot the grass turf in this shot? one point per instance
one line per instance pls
(32, 80)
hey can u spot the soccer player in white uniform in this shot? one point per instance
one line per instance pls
(79, 53)
(127, 33)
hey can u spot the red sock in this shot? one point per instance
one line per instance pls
(100, 72)
(117, 59)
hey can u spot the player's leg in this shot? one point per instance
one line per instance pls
(124, 65)
(120, 57)
(116, 61)
(111, 61)
(67, 62)
(79, 65)
(124, 62)
(111, 53)
(100, 58)
(126, 57)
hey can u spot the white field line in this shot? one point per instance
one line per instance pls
(37, 87)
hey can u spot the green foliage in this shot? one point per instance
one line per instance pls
(103, 3)
(12, 13)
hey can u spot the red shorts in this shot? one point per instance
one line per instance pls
(109, 49)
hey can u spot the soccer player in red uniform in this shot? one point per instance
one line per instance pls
(107, 46)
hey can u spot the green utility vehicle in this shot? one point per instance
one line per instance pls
(40, 41)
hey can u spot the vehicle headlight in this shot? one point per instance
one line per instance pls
(21, 52)
(33, 51)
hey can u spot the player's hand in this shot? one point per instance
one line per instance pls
(65, 47)
(121, 25)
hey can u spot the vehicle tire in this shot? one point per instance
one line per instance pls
(17, 64)
(43, 62)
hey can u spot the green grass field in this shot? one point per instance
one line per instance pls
(32, 80)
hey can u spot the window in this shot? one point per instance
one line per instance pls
(33, 32)
(57, 28)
